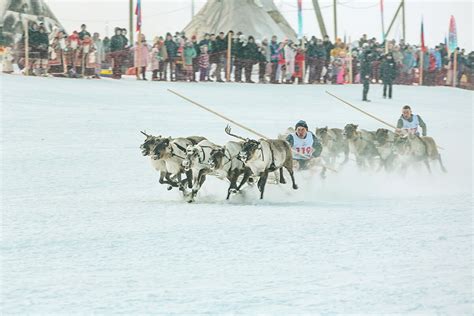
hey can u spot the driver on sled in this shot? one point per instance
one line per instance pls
(304, 144)
(408, 123)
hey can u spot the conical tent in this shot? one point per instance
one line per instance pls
(14, 12)
(259, 18)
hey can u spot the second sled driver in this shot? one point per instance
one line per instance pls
(304, 144)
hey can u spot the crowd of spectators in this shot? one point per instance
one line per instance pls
(179, 57)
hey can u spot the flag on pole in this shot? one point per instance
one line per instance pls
(453, 38)
(300, 18)
(138, 13)
(423, 47)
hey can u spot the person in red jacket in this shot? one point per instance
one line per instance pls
(299, 64)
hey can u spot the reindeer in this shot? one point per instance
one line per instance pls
(416, 148)
(148, 149)
(266, 155)
(226, 164)
(333, 143)
(384, 142)
(361, 144)
(196, 161)
(151, 147)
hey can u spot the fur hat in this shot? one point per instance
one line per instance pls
(302, 124)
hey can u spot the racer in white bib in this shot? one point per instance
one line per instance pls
(410, 122)
(305, 145)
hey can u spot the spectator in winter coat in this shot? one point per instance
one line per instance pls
(197, 48)
(117, 52)
(262, 61)
(124, 36)
(389, 73)
(83, 32)
(141, 53)
(172, 51)
(189, 53)
(99, 48)
(220, 48)
(203, 63)
(250, 57)
(274, 57)
(366, 59)
(299, 60)
(290, 54)
(154, 60)
(239, 59)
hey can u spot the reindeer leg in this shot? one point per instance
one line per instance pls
(441, 164)
(165, 178)
(247, 174)
(232, 177)
(261, 183)
(427, 164)
(189, 178)
(282, 178)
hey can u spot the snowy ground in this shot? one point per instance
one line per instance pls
(86, 228)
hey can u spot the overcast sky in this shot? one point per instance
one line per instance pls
(354, 17)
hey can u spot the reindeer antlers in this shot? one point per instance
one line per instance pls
(145, 134)
(228, 132)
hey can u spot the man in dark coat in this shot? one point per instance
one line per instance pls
(388, 70)
(250, 55)
(83, 32)
(220, 47)
(239, 61)
(366, 59)
(172, 50)
(117, 52)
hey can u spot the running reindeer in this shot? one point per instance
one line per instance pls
(414, 148)
(196, 161)
(334, 145)
(165, 159)
(266, 155)
(225, 163)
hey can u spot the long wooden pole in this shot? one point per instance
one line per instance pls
(27, 47)
(218, 114)
(229, 59)
(350, 60)
(335, 20)
(138, 51)
(303, 66)
(455, 67)
(130, 21)
(421, 66)
(362, 111)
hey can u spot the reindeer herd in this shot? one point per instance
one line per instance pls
(185, 162)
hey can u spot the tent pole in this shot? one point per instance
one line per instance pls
(393, 20)
(130, 22)
(319, 17)
(229, 48)
(403, 19)
(335, 20)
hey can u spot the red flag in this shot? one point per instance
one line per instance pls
(138, 13)
(423, 47)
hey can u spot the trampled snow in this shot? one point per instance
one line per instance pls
(86, 228)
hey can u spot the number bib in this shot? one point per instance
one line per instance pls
(303, 146)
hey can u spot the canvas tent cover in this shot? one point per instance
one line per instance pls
(12, 13)
(259, 18)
